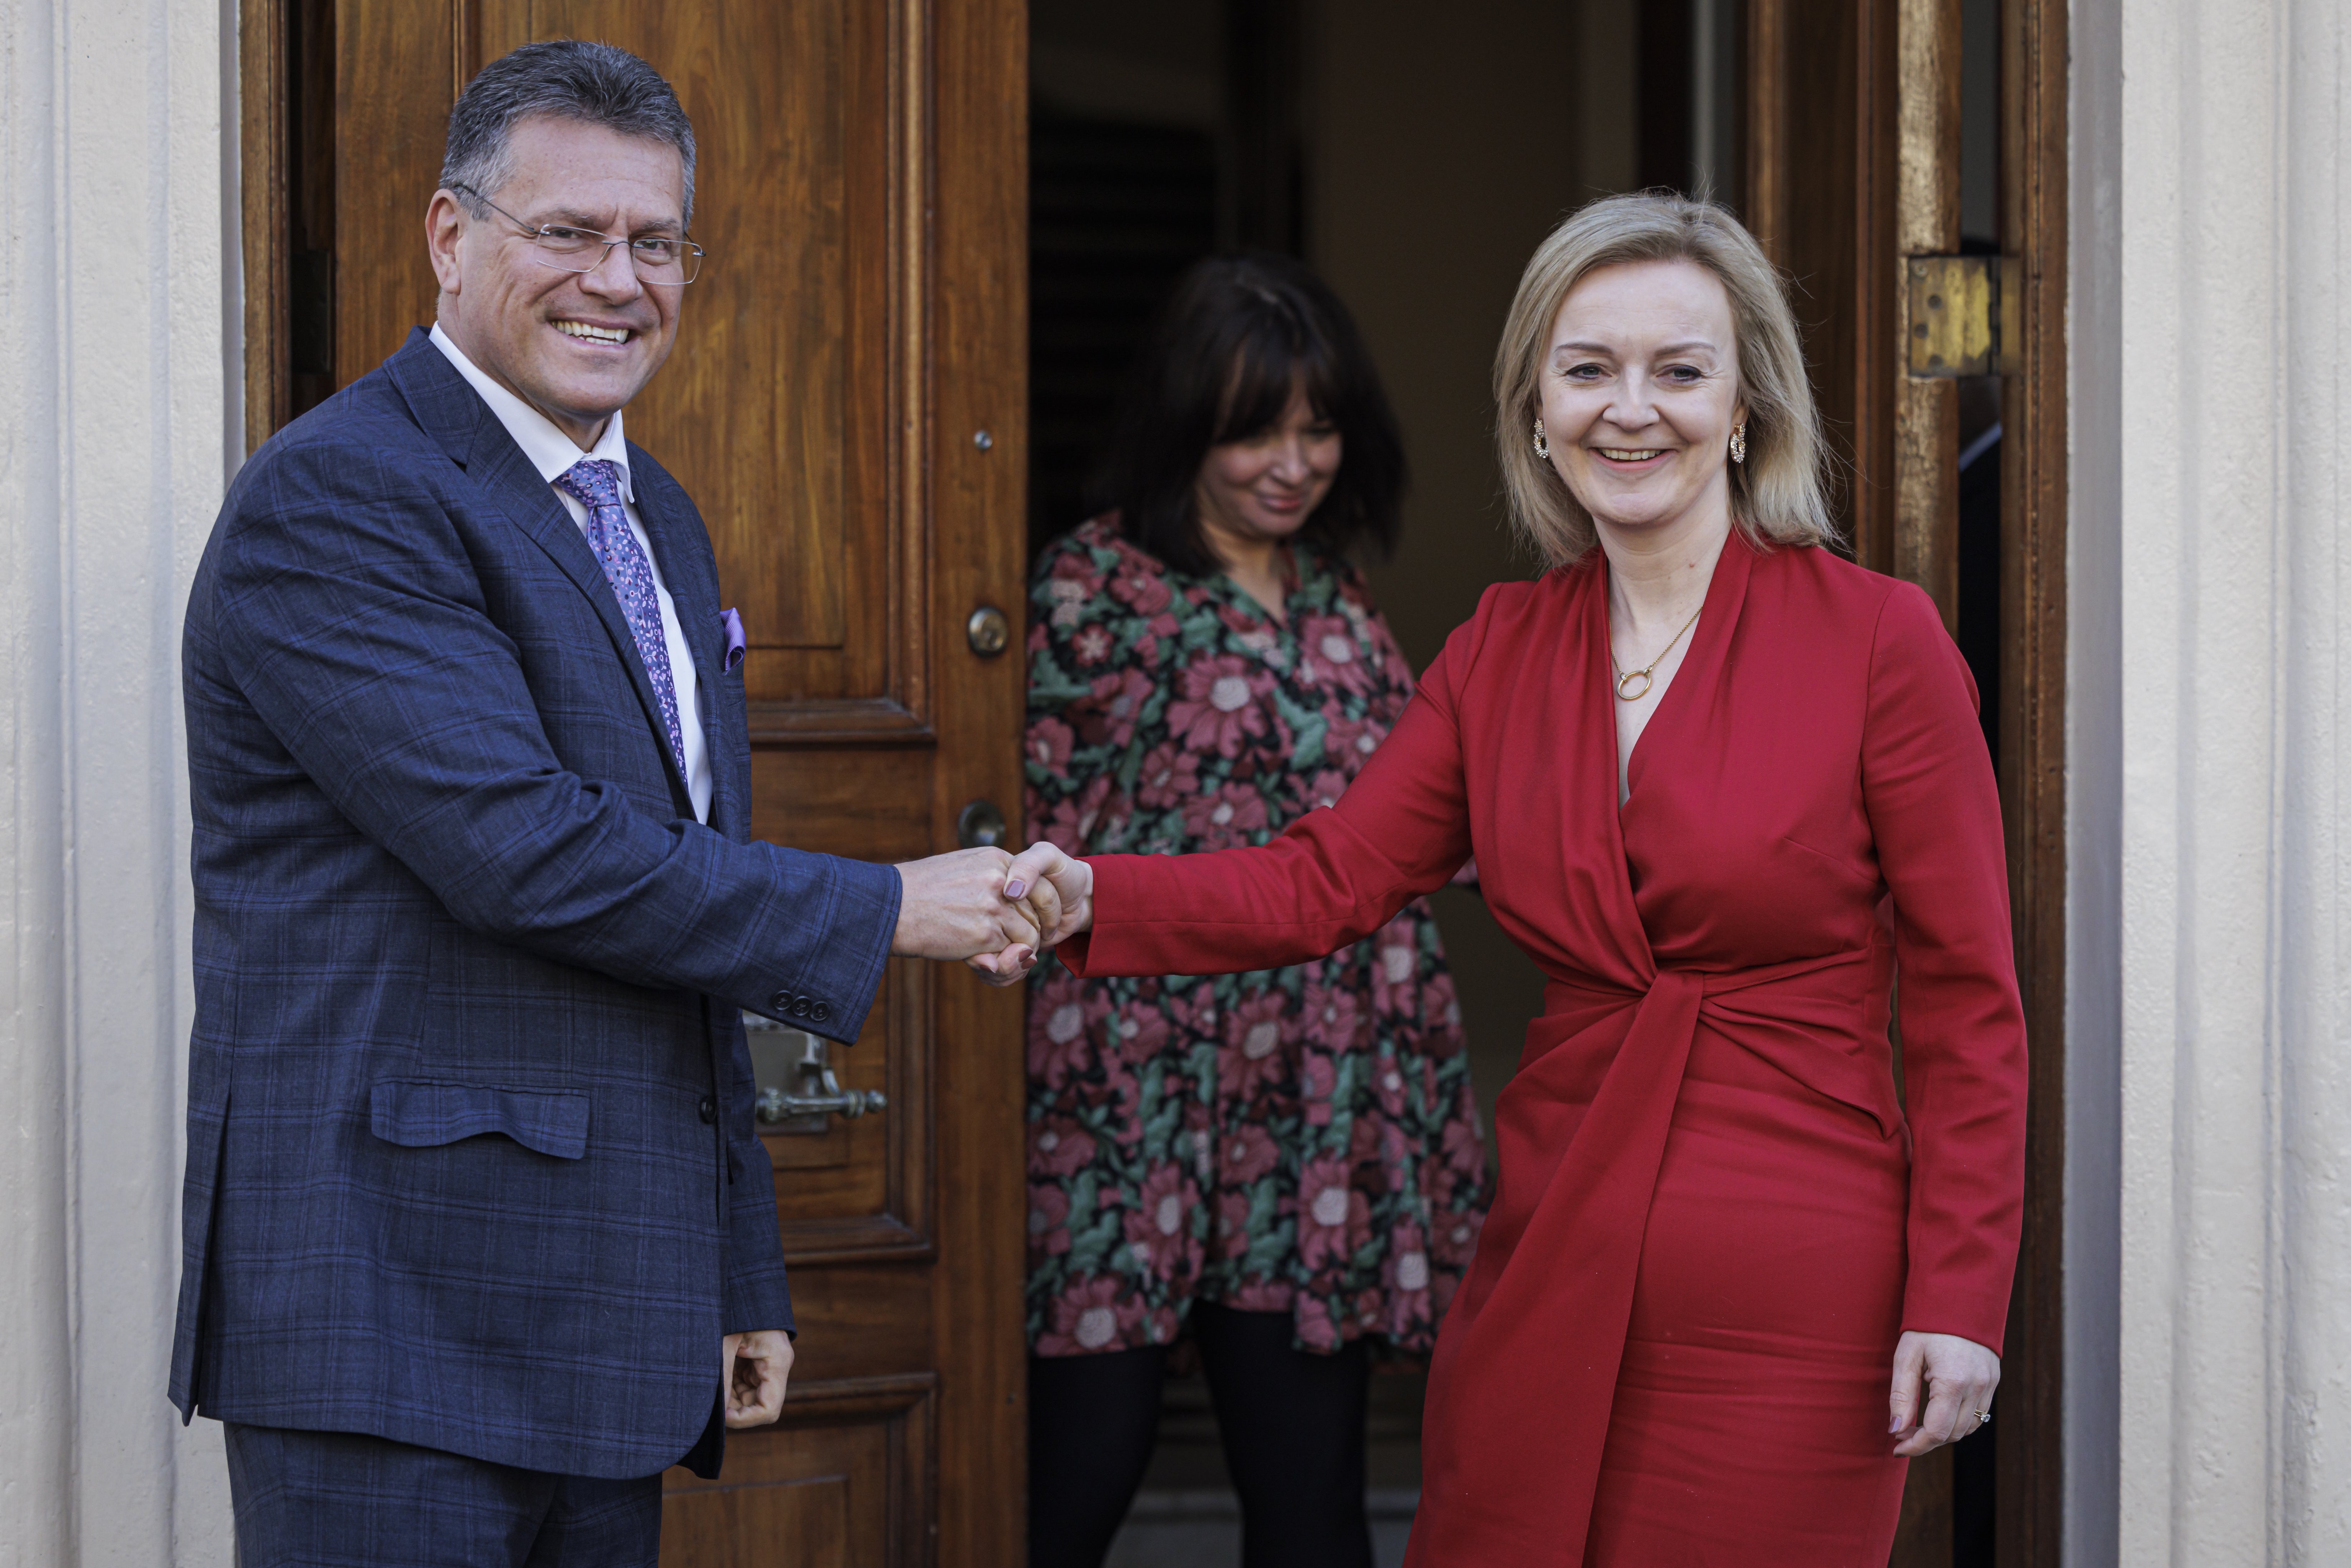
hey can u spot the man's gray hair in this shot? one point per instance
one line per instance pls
(594, 84)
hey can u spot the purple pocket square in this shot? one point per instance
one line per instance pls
(735, 643)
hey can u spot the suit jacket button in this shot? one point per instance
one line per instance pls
(780, 1004)
(708, 1109)
(819, 1012)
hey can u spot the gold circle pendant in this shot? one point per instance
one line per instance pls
(1627, 679)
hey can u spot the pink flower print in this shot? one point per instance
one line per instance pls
(1323, 790)
(1454, 1240)
(1090, 1316)
(1219, 706)
(1049, 1222)
(1160, 1218)
(1330, 656)
(1194, 1008)
(1334, 1017)
(1232, 1237)
(1168, 777)
(1407, 1269)
(1162, 1327)
(1117, 1091)
(1247, 1153)
(1059, 1146)
(1318, 1075)
(1464, 1150)
(1073, 583)
(1142, 1032)
(1139, 588)
(1396, 967)
(1348, 743)
(1049, 742)
(1107, 713)
(1333, 1220)
(1225, 817)
(1259, 1294)
(1147, 643)
(1438, 1005)
(1092, 644)
(1069, 821)
(1388, 1085)
(1255, 1032)
(1062, 1017)
(1315, 1329)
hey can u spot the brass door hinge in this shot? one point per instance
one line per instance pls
(1957, 309)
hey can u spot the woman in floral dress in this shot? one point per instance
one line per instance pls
(1281, 1166)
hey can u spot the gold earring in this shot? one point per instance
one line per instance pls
(1542, 447)
(1739, 444)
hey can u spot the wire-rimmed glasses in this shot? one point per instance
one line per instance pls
(666, 260)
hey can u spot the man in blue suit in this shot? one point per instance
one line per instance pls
(479, 1236)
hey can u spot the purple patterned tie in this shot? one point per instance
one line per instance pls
(595, 484)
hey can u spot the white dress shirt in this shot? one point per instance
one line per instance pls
(552, 453)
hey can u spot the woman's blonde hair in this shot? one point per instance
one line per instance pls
(1778, 494)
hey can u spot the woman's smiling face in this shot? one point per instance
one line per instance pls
(1264, 486)
(1640, 392)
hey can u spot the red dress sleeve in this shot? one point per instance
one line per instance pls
(1338, 874)
(1934, 811)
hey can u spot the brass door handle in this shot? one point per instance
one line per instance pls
(798, 1091)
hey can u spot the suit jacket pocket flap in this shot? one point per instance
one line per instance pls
(420, 1115)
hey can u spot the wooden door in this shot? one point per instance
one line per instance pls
(846, 404)
(1854, 186)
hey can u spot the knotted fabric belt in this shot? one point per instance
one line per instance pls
(1525, 1369)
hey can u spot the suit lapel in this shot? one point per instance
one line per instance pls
(455, 416)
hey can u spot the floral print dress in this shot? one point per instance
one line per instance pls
(1302, 1140)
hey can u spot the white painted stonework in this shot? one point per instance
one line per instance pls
(2212, 366)
(114, 448)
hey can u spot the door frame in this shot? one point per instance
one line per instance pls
(1892, 142)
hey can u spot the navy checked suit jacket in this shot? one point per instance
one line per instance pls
(471, 1156)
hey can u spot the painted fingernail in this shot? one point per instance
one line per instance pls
(1015, 888)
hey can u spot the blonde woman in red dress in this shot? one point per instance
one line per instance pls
(1721, 785)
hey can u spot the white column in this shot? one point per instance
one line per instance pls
(116, 128)
(2215, 261)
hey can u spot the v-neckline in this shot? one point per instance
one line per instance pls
(1726, 595)
(1720, 605)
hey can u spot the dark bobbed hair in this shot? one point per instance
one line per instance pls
(595, 84)
(1233, 338)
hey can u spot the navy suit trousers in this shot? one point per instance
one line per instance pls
(347, 1500)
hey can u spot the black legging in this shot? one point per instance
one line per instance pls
(1292, 1425)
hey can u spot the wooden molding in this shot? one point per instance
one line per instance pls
(261, 159)
(1923, 526)
(2034, 476)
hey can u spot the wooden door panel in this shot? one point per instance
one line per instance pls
(845, 1488)
(782, 407)
(846, 403)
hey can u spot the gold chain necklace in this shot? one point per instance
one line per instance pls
(1625, 677)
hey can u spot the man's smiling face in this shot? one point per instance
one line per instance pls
(575, 346)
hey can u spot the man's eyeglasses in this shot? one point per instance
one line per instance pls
(658, 258)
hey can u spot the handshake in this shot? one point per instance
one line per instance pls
(994, 911)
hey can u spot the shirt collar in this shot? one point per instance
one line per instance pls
(548, 450)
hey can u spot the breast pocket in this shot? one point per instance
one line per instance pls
(422, 1113)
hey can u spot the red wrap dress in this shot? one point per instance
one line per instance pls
(1715, 1218)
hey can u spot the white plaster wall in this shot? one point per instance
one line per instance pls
(2212, 504)
(115, 437)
